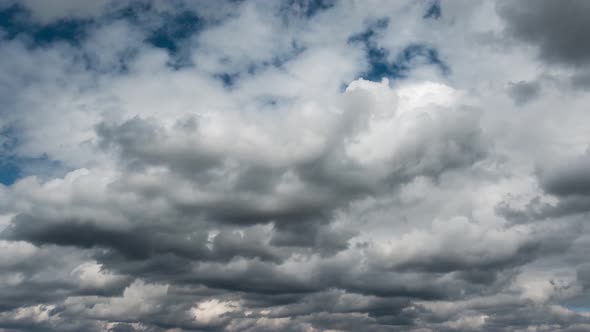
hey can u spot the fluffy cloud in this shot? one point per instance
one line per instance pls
(293, 166)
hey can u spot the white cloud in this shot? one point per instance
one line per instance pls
(212, 311)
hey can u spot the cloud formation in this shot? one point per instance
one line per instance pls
(293, 166)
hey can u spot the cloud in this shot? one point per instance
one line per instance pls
(292, 166)
(48, 11)
(555, 28)
(523, 92)
(565, 191)
(570, 177)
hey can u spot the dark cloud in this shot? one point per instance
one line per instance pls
(133, 243)
(556, 27)
(523, 92)
(567, 180)
(581, 80)
(122, 327)
(571, 177)
(143, 242)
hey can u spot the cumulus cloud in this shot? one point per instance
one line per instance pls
(293, 166)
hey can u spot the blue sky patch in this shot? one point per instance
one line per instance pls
(170, 34)
(15, 21)
(14, 167)
(71, 31)
(580, 309)
(422, 54)
(308, 8)
(229, 79)
(11, 21)
(434, 11)
(380, 63)
(175, 30)
(9, 172)
(413, 55)
(377, 56)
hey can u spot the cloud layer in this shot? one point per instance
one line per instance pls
(294, 166)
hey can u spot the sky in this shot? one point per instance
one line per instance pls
(294, 165)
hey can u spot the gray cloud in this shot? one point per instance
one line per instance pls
(571, 177)
(523, 92)
(568, 180)
(555, 27)
(222, 166)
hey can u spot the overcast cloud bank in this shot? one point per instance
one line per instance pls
(296, 165)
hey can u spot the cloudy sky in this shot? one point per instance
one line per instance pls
(294, 165)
